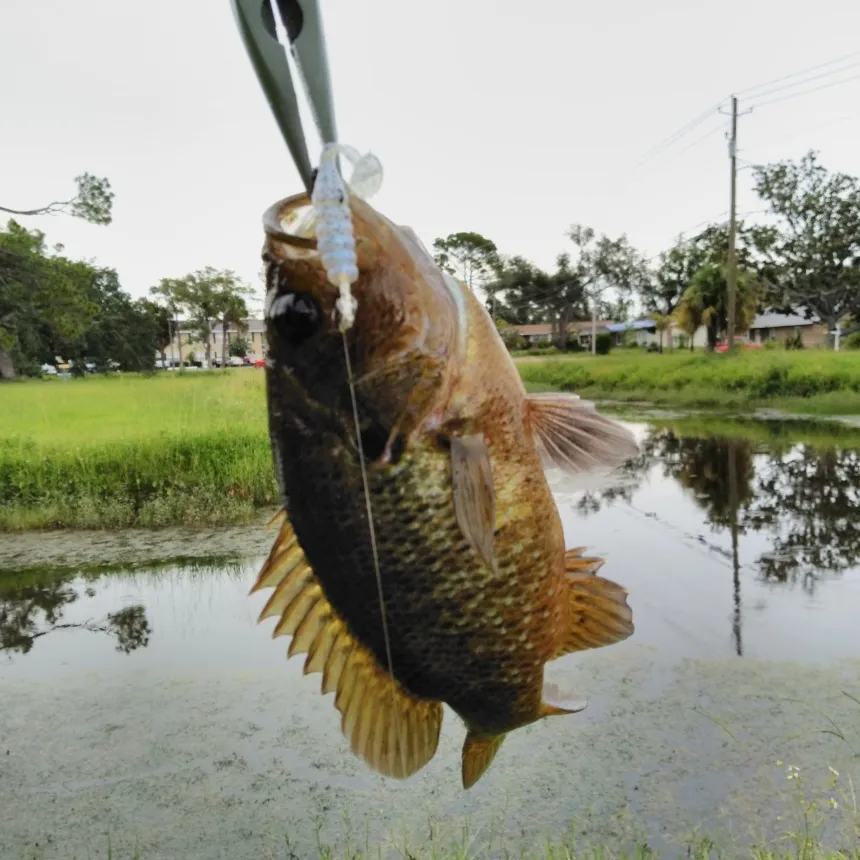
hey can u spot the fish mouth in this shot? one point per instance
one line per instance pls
(291, 221)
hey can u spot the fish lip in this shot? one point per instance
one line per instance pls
(274, 216)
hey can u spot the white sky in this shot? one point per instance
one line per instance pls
(512, 119)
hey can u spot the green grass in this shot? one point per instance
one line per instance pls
(108, 453)
(807, 381)
(193, 449)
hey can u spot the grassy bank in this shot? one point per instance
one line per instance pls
(193, 448)
(108, 453)
(811, 382)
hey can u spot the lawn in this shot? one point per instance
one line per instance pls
(112, 452)
(192, 448)
(808, 381)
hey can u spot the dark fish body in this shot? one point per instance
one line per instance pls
(478, 590)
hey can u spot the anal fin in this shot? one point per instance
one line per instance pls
(598, 613)
(478, 754)
(395, 732)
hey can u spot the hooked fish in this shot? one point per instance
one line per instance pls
(476, 591)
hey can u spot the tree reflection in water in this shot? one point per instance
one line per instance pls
(33, 605)
(33, 602)
(804, 497)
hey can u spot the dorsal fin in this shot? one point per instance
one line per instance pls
(569, 433)
(395, 732)
(598, 613)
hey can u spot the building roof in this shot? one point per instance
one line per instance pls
(777, 320)
(632, 326)
(533, 329)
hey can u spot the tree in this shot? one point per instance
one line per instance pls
(532, 295)
(93, 202)
(123, 330)
(689, 317)
(167, 293)
(161, 324)
(509, 335)
(818, 242)
(45, 303)
(240, 347)
(233, 312)
(603, 264)
(662, 293)
(661, 324)
(705, 301)
(208, 296)
(471, 257)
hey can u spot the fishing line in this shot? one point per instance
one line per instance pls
(369, 507)
(336, 247)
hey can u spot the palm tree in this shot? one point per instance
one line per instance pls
(705, 302)
(661, 324)
(232, 312)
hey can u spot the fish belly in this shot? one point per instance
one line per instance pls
(458, 630)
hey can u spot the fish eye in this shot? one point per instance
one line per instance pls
(295, 316)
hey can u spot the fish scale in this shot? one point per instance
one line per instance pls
(431, 578)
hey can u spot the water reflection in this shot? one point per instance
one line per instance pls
(31, 610)
(803, 496)
(35, 602)
(722, 537)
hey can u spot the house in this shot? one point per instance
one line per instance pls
(644, 333)
(541, 333)
(778, 327)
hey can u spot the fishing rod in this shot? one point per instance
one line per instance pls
(302, 23)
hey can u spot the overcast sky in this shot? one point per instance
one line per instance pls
(512, 119)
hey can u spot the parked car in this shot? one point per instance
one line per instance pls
(49, 370)
(723, 345)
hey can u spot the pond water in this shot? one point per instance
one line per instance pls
(142, 706)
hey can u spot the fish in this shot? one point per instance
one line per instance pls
(420, 559)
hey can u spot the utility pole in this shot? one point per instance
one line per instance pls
(732, 278)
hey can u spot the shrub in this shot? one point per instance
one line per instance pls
(603, 344)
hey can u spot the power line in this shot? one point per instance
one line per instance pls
(798, 74)
(758, 91)
(804, 81)
(805, 92)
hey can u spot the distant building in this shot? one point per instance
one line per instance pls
(777, 327)
(541, 333)
(253, 331)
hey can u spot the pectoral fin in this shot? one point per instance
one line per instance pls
(474, 496)
(569, 433)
